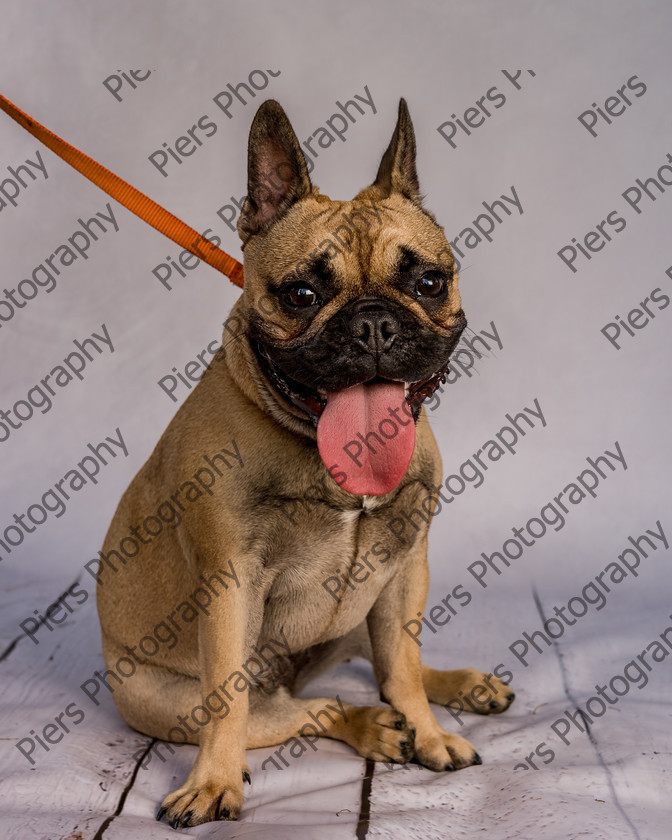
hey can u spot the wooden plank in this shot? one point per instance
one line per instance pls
(77, 784)
(74, 785)
(606, 784)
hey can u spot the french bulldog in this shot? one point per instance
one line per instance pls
(310, 423)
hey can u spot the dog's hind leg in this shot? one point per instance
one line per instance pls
(325, 656)
(177, 707)
(467, 690)
(170, 706)
(152, 699)
(376, 732)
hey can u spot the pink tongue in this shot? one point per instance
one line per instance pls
(365, 431)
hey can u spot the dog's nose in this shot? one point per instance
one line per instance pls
(374, 329)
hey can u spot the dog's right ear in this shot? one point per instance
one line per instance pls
(277, 174)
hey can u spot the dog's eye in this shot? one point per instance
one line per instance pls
(430, 285)
(300, 294)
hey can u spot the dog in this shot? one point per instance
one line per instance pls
(349, 314)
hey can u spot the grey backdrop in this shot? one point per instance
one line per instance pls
(443, 57)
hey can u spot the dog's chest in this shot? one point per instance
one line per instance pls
(327, 570)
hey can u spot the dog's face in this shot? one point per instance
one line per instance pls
(353, 306)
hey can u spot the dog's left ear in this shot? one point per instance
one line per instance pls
(397, 172)
(277, 174)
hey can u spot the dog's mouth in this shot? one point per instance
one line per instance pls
(365, 431)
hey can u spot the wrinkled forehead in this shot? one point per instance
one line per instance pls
(365, 242)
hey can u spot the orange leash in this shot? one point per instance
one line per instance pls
(135, 201)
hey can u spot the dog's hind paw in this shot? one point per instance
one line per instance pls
(467, 690)
(381, 733)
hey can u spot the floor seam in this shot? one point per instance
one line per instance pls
(122, 799)
(365, 803)
(10, 647)
(591, 738)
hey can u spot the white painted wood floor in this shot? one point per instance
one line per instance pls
(610, 783)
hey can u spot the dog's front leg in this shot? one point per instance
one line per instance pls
(214, 788)
(398, 669)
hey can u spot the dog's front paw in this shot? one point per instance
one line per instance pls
(445, 751)
(210, 800)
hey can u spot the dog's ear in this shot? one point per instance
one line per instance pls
(277, 175)
(397, 172)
